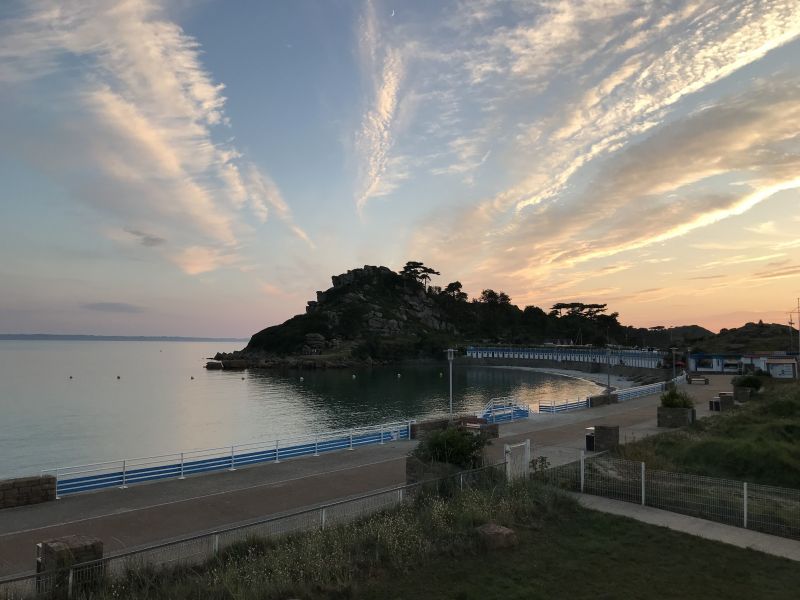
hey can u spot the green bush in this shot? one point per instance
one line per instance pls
(750, 381)
(454, 446)
(676, 399)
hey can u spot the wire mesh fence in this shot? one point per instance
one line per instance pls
(763, 508)
(74, 581)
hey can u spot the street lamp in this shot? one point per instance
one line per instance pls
(450, 354)
(674, 375)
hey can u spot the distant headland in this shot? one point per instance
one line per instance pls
(112, 338)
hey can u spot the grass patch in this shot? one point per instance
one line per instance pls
(597, 556)
(757, 442)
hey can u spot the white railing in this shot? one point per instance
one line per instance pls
(764, 508)
(128, 471)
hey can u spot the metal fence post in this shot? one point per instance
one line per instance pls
(70, 580)
(351, 440)
(381, 433)
(643, 499)
(216, 543)
(124, 475)
(409, 431)
(316, 445)
(233, 460)
(57, 496)
(277, 451)
(181, 477)
(744, 485)
(461, 481)
(322, 518)
(583, 468)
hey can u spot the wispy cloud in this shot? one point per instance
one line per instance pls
(145, 113)
(383, 68)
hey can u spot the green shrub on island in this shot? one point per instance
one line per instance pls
(748, 381)
(454, 446)
(676, 399)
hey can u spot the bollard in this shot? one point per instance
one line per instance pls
(744, 498)
(642, 483)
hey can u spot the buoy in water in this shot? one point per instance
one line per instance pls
(192, 377)
(242, 378)
(301, 379)
(441, 374)
(70, 376)
(118, 377)
(398, 375)
(354, 375)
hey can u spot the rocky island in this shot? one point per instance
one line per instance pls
(374, 315)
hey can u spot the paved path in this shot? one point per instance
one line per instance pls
(743, 538)
(161, 510)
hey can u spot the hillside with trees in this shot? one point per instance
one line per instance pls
(376, 314)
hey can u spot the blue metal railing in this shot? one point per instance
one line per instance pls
(121, 473)
(500, 410)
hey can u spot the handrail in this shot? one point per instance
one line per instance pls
(121, 472)
(186, 453)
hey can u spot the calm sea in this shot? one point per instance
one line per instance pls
(165, 401)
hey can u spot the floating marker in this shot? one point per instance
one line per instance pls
(301, 379)
(441, 374)
(192, 377)
(242, 378)
(398, 375)
(117, 376)
(70, 376)
(354, 376)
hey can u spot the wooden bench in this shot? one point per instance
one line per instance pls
(696, 379)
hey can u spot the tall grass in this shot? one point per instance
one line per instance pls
(758, 442)
(327, 562)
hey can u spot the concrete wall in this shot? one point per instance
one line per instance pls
(27, 490)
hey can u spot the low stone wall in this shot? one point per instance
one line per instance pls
(27, 490)
(603, 399)
(423, 428)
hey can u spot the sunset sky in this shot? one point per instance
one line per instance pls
(201, 167)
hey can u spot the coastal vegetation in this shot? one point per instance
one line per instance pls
(430, 548)
(674, 398)
(452, 445)
(757, 442)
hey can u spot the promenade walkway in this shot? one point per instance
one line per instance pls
(728, 534)
(162, 510)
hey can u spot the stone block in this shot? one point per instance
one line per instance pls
(496, 536)
(606, 437)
